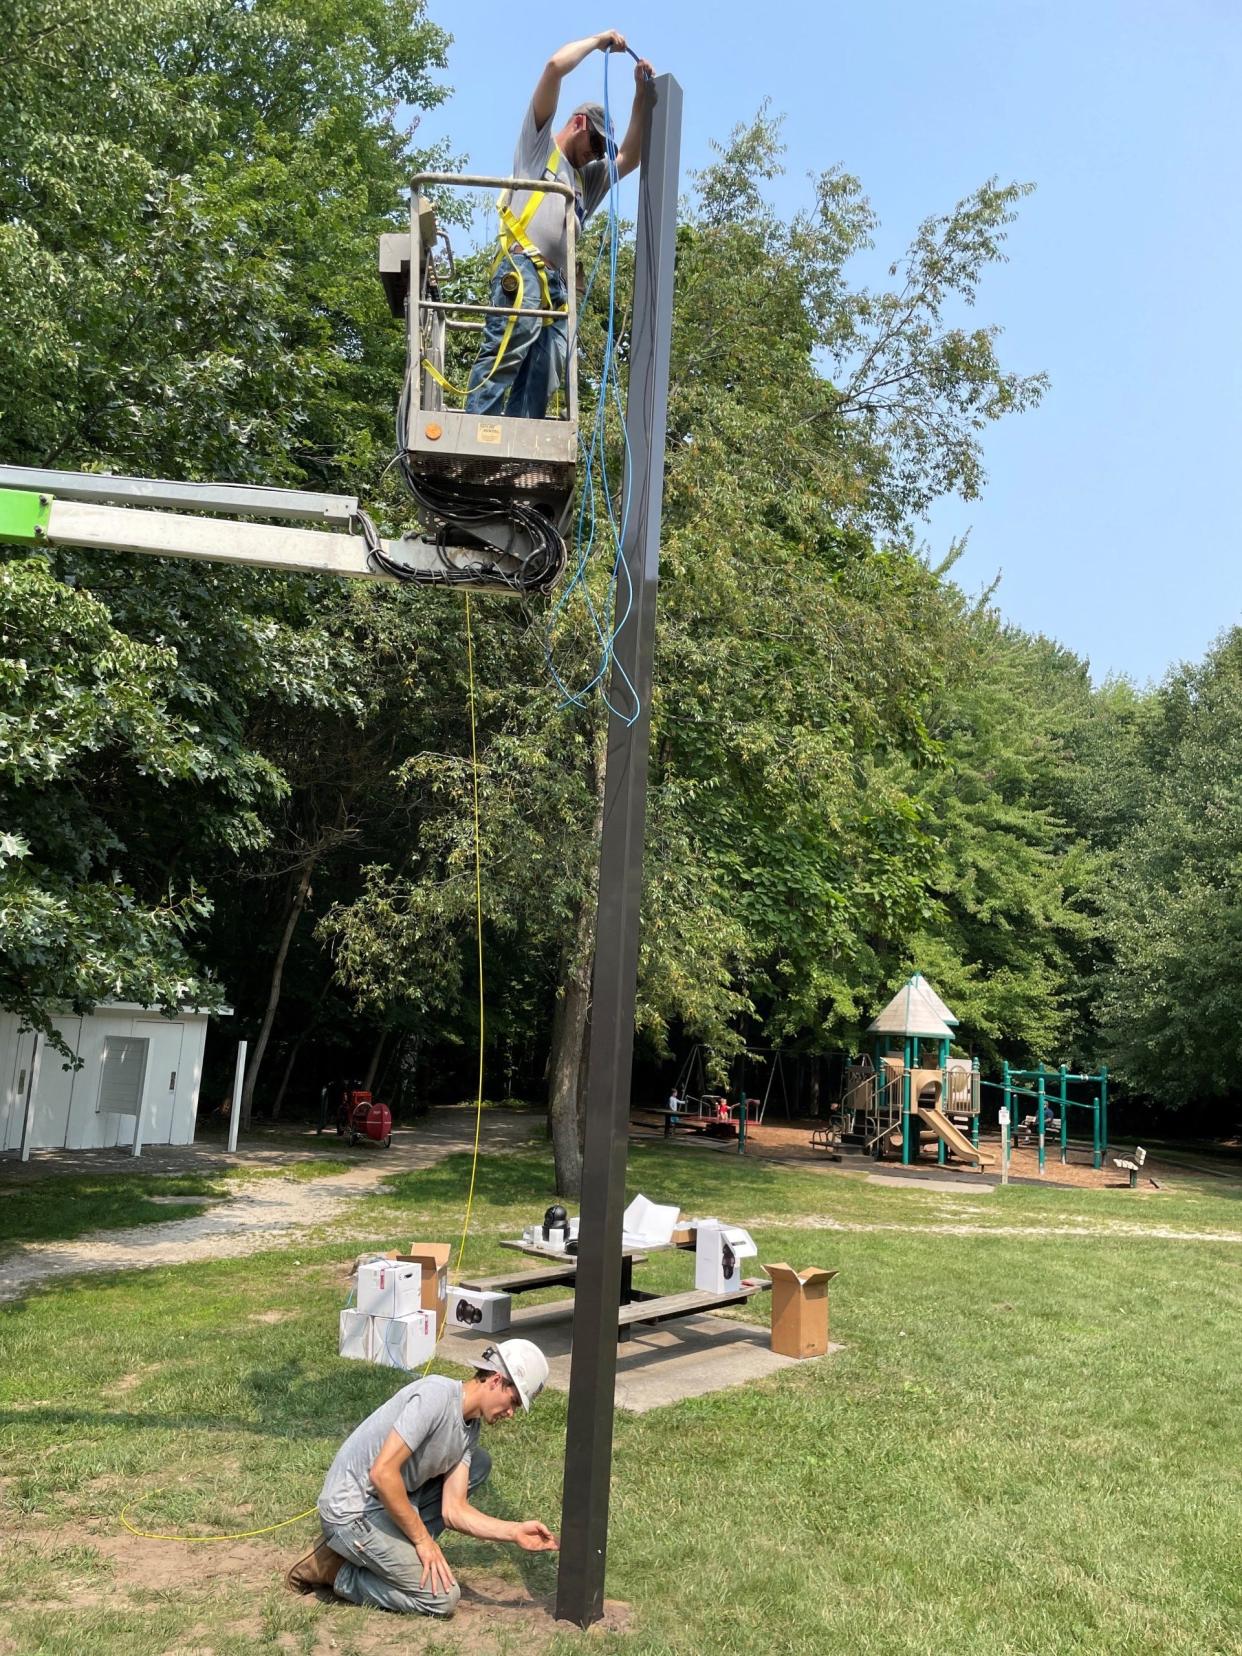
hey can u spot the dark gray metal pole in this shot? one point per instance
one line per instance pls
(588, 1443)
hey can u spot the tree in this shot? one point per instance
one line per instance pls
(1169, 1002)
(786, 858)
(189, 200)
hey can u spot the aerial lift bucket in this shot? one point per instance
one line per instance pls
(492, 479)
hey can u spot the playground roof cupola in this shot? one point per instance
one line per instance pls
(918, 981)
(915, 1009)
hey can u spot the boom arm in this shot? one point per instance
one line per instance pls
(47, 508)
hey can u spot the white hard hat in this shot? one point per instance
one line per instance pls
(522, 1364)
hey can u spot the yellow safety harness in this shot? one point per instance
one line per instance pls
(513, 234)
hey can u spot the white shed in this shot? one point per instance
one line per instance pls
(138, 1083)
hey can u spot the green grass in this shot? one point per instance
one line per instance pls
(52, 1209)
(1030, 1444)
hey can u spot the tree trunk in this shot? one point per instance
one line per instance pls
(568, 1060)
(290, 1061)
(584, 1076)
(377, 1052)
(298, 903)
(566, 1057)
(311, 1020)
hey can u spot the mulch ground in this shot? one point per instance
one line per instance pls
(790, 1141)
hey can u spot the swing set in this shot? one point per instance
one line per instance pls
(699, 1093)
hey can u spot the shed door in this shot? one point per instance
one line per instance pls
(121, 1074)
(15, 1091)
(50, 1128)
(163, 1041)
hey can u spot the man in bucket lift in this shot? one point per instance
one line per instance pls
(522, 358)
(406, 1474)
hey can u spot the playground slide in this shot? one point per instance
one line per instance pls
(954, 1137)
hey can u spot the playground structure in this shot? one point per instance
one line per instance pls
(898, 1100)
(912, 1094)
(1051, 1109)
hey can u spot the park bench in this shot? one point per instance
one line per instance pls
(829, 1139)
(1131, 1165)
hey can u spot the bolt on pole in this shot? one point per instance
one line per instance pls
(592, 1379)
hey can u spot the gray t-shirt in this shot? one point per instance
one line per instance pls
(427, 1415)
(547, 226)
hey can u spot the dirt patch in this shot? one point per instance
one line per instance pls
(494, 1618)
(271, 1316)
(129, 1382)
(163, 1566)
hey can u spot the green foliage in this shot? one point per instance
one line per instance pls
(1169, 1007)
(188, 210)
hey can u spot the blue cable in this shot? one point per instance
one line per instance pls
(604, 620)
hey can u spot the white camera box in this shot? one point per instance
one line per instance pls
(718, 1254)
(388, 1288)
(403, 1342)
(355, 1335)
(478, 1311)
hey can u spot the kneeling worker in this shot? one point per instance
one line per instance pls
(406, 1474)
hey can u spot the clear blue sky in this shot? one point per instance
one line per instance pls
(1112, 510)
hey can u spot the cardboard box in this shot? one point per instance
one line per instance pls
(718, 1254)
(478, 1311)
(433, 1258)
(403, 1342)
(389, 1288)
(355, 1337)
(799, 1310)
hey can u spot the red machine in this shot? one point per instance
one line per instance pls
(359, 1116)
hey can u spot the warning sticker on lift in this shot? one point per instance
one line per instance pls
(487, 431)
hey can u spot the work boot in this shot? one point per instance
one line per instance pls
(317, 1569)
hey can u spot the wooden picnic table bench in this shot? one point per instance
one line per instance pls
(561, 1268)
(522, 1282)
(695, 1302)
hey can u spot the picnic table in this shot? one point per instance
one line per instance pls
(637, 1305)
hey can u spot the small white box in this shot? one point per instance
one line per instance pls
(718, 1254)
(478, 1311)
(388, 1288)
(403, 1342)
(355, 1335)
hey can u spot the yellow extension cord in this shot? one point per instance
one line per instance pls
(247, 1535)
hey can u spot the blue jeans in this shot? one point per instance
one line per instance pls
(381, 1566)
(534, 358)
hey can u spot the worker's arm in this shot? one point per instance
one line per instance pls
(460, 1515)
(389, 1485)
(563, 62)
(630, 152)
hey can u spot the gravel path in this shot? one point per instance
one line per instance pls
(259, 1213)
(1105, 1231)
